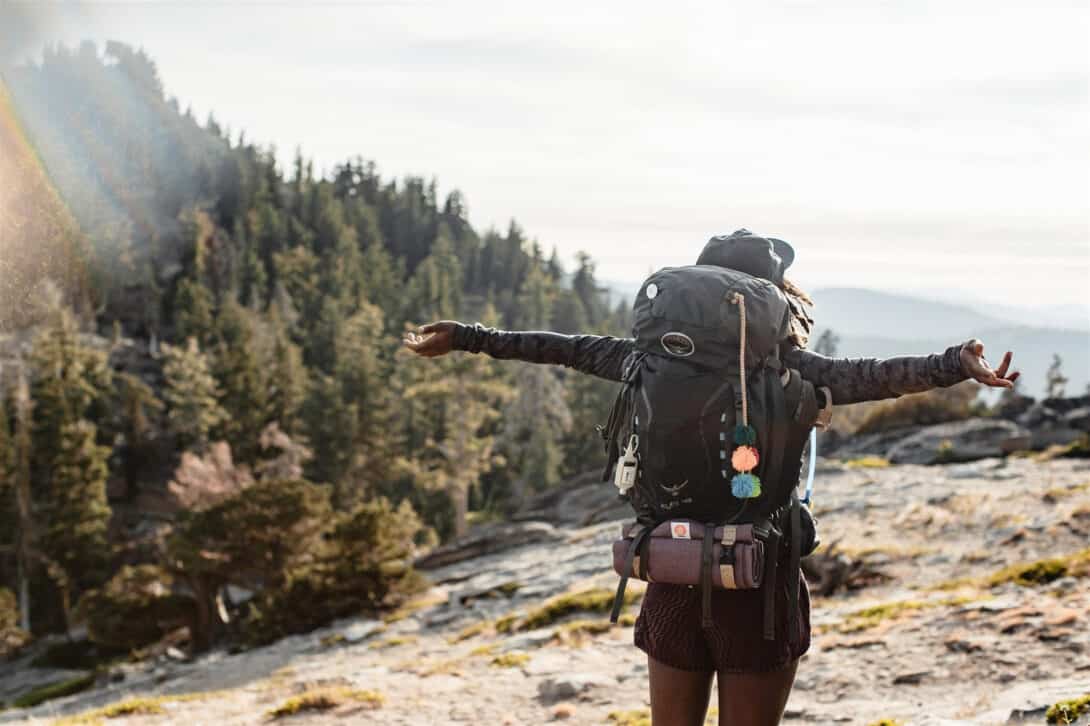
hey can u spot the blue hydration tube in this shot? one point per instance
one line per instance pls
(808, 492)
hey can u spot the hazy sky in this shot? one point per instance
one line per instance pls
(914, 146)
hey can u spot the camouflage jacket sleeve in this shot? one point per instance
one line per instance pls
(598, 355)
(869, 379)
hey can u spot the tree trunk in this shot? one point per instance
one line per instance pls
(460, 498)
(24, 597)
(206, 622)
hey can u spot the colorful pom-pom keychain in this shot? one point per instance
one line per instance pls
(744, 485)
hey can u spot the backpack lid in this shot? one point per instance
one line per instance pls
(688, 313)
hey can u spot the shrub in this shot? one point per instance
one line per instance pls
(135, 608)
(12, 637)
(255, 538)
(364, 564)
(921, 409)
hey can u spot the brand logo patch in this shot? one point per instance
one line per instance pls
(678, 344)
(679, 530)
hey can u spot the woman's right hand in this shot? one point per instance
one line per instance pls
(431, 340)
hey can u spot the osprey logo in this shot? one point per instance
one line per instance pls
(675, 489)
(678, 344)
(679, 530)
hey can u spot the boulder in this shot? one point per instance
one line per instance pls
(956, 441)
(859, 445)
(488, 540)
(580, 501)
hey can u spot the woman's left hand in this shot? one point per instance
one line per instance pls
(974, 365)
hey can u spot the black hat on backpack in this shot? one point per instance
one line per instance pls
(765, 257)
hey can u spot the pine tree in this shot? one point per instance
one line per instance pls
(585, 286)
(139, 450)
(77, 512)
(193, 311)
(589, 400)
(535, 300)
(9, 510)
(827, 344)
(1055, 380)
(69, 382)
(532, 426)
(330, 425)
(435, 289)
(243, 391)
(287, 381)
(462, 405)
(382, 278)
(363, 381)
(569, 315)
(191, 395)
(25, 559)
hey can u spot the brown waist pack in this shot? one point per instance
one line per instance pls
(677, 552)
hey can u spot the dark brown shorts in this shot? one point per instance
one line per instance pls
(668, 629)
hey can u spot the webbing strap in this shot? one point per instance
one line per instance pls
(793, 567)
(776, 420)
(618, 600)
(772, 556)
(706, 575)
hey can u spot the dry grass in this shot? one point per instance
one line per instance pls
(578, 632)
(326, 699)
(393, 642)
(869, 617)
(478, 628)
(597, 600)
(867, 462)
(133, 706)
(414, 606)
(1044, 571)
(510, 660)
(1057, 493)
(641, 717)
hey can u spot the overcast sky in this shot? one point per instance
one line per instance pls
(910, 146)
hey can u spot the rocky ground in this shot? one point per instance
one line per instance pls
(950, 627)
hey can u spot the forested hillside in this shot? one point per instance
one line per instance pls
(212, 392)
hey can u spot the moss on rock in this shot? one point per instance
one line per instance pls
(1042, 572)
(510, 660)
(57, 689)
(597, 600)
(1066, 712)
(326, 699)
(639, 717)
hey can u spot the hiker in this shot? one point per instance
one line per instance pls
(746, 621)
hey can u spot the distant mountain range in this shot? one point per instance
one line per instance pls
(879, 324)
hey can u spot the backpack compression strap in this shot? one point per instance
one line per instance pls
(706, 575)
(776, 419)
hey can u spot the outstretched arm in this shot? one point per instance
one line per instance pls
(869, 379)
(598, 355)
